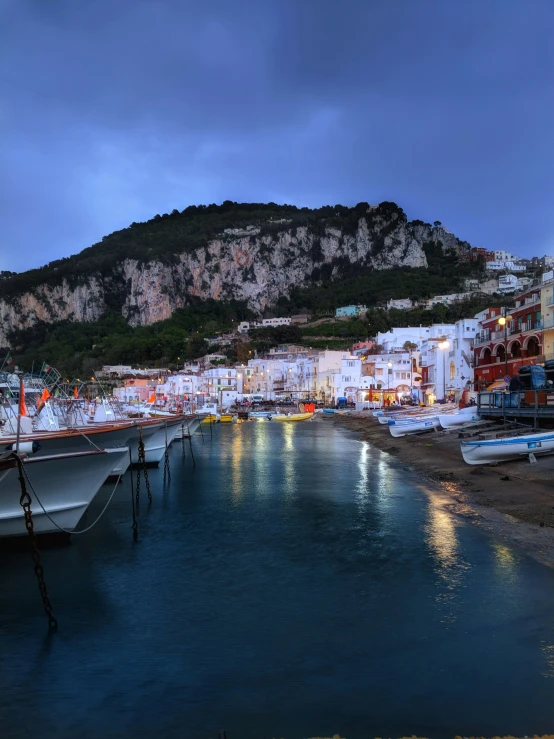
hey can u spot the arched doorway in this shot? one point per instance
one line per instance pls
(485, 356)
(514, 350)
(500, 353)
(533, 347)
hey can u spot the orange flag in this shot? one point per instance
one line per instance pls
(43, 398)
(75, 392)
(22, 406)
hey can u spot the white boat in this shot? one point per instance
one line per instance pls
(260, 414)
(464, 415)
(65, 484)
(413, 426)
(95, 436)
(208, 409)
(488, 451)
(188, 427)
(155, 443)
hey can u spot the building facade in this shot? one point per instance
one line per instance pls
(498, 349)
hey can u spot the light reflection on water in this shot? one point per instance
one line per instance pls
(296, 582)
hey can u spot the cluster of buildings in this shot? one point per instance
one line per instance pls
(512, 337)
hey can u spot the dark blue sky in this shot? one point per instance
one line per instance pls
(113, 111)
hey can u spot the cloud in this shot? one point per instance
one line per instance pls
(112, 112)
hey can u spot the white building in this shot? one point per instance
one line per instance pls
(395, 372)
(504, 256)
(400, 304)
(221, 385)
(246, 326)
(498, 266)
(395, 338)
(445, 299)
(446, 361)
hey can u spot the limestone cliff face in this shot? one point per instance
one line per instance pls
(243, 264)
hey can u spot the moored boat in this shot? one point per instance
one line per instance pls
(293, 417)
(488, 451)
(65, 485)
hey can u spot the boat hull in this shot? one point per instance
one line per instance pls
(155, 442)
(66, 485)
(293, 417)
(490, 451)
(449, 420)
(188, 427)
(405, 428)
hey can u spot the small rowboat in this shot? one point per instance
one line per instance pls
(465, 415)
(488, 451)
(413, 426)
(293, 417)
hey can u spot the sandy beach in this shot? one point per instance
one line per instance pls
(515, 500)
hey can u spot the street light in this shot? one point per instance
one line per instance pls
(444, 346)
(503, 321)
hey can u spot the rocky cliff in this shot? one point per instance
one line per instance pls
(146, 272)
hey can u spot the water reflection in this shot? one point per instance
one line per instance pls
(363, 467)
(548, 651)
(236, 464)
(441, 538)
(289, 460)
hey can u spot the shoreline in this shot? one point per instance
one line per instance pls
(512, 500)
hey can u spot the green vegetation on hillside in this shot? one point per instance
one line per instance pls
(166, 236)
(370, 287)
(80, 348)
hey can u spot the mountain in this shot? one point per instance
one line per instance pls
(257, 254)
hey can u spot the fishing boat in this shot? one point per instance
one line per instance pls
(60, 485)
(488, 451)
(226, 418)
(464, 415)
(156, 443)
(293, 417)
(188, 427)
(208, 413)
(413, 426)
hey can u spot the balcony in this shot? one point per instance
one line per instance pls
(521, 328)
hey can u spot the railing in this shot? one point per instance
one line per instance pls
(524, 403)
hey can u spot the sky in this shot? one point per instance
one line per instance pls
(114, 110)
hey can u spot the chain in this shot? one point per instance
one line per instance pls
(25, 503)
(191, 452)
(167, 471)
(134, 524)
(142, 469)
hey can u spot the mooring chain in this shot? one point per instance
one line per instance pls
(25, 502)
(142, 469)
(167, 470)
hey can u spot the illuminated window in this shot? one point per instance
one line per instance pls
(452, 370)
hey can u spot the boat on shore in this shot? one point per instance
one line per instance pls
(488, 451)
(463, 416)
(413, 426)
(61, 486)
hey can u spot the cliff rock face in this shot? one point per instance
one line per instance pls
(249, 264)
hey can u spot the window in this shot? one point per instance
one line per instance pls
(379, 371)
(351, 364)
(452, 371)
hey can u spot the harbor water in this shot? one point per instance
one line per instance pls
(295, 582)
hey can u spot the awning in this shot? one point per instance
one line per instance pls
(498, 385)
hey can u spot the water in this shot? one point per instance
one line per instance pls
(296, 583)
